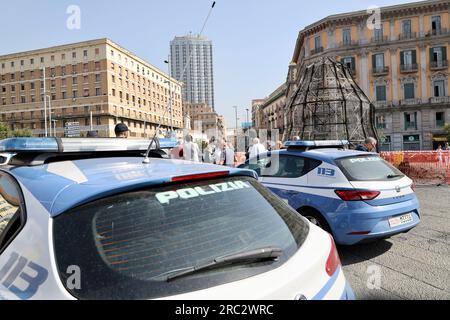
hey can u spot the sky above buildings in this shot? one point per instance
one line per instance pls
(253, 40)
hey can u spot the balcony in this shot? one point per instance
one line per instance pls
(380, 39)
(440, 100)
(349, 43)
(408, 68)
(382, 104)
(407, 36)
(437, 32)
(438, 65)
(440, 123)
(380, 71)
(317, 50)
(410, 102)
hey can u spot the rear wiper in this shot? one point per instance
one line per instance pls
(256, 255)
(390, 176)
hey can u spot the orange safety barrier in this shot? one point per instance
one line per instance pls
(424, 167)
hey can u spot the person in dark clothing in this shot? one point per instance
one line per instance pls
(121, 130)
(369, 145)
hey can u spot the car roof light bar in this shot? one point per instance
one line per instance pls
(317, 143)
(75, 145)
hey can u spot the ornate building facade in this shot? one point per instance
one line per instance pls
(400, 61)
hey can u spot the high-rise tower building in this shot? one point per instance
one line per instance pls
(192, 64)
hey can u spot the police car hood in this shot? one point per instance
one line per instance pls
(60, 186)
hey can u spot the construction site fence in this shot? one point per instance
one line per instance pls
(424, 167)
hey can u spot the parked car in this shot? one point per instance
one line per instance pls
(356, 196)
(90, 219)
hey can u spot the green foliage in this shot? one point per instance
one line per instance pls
(447, 130)
(5, 132)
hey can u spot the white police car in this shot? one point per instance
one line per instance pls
(91, 219)
(356, 196)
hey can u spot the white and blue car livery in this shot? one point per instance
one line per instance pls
(356, 196)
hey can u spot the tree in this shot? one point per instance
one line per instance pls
(5, 132)
(20, 133)
(447, 130)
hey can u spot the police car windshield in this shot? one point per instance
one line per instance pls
(124, 243)
(368, 168)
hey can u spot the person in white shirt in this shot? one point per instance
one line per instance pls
(257, 148)
(229, 155)
(190, 150)
(217, 156)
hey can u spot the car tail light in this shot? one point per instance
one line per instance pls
(333, 261)
(357, 195)
(413, 187)
(201, 176)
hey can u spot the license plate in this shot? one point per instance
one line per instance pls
(398, 221)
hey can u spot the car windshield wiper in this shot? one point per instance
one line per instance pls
(391, 176)
(255, 255)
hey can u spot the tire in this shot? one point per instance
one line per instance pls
(315, 218)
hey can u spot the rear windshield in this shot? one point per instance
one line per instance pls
(368, 168)
(125, 244)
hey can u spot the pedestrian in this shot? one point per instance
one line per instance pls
(177, 152)
(256, 149)
(121, 131)
(217, 154)
(369, 145)
(446, 147)
(279, 145)
(190, 150)
(296, 138)
(229, 160)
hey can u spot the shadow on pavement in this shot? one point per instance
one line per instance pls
(362, 252)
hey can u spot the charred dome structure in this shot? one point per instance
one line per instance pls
(327, 104)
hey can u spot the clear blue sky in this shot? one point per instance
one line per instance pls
(253, 39)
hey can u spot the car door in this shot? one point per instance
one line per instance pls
(288, 178)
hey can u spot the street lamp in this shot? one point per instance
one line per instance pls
(170, 92)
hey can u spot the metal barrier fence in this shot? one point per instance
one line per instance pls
(424, 167)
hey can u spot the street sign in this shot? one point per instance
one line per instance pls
(72, 130)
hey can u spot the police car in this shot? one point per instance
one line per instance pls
(94, 219)
(356, 196)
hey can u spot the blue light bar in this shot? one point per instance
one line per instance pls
(316, 143)
(29, 145)
(74, 145)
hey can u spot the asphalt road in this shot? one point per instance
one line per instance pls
(415, 265)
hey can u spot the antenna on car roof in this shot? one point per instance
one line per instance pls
(154, 139)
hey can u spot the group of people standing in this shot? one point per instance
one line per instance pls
(220, 152)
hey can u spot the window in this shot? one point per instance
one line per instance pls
(247, 212)
(381, 93)
(379, 33)
(368, 168)
(439, 88)
(98, 91)
(317, 44)
(349, 62)
(410, 120)
(12, 215)
(406, 28)
(97, 78)
(347, 36)
(75, 94)
(380, 122)
(379, 61)
(97, 65)
(287, 166)
(438, 57)
(436, 25)
(74, 80)
(85, 53)
(440, 119)
(74, 55)
(409, 91)
(86, 92)
(97, 51)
